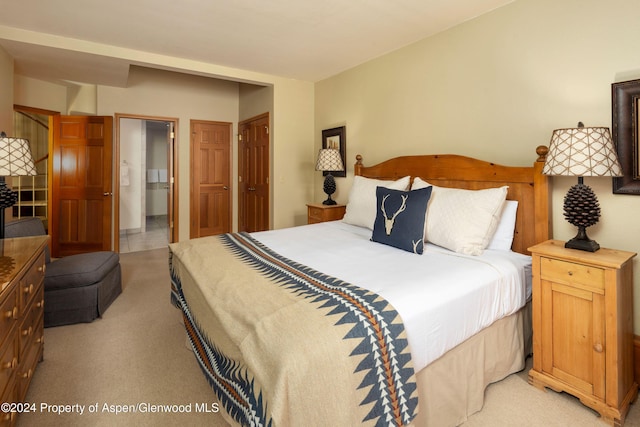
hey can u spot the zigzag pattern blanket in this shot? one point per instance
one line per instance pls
(282, 344)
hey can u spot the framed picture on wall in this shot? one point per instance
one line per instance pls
(625, 102)
(336, 138)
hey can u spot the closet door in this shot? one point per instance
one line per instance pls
(81, 184)
(254, 174)
(210, 178)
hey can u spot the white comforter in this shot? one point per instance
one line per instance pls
(443, 297)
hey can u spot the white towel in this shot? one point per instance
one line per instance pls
(124, 174)
(152, 175)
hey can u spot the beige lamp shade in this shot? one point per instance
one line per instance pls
(582, 151)
(15, 157)
(329, 160)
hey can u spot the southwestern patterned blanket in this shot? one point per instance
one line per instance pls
(282, 344)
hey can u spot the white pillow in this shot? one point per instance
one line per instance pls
(361, 207)
(462, 220)
(503, 237)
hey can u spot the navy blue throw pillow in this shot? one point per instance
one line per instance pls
(400, 218)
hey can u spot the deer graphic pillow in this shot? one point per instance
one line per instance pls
(400, 218)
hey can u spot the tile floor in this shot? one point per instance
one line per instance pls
(156, 236)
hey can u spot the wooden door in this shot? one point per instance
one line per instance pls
(81, 184)
(210, 178)
(253, 171)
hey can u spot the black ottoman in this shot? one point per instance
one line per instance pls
(81, 287)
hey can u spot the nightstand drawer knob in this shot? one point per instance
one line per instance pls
(598, 348)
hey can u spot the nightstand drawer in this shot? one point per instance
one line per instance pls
(321, 213)
(316, 214)
(571, 273)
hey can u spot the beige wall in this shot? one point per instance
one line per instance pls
(6, 92)
(40, 94)
(167, 94)
(495, 88)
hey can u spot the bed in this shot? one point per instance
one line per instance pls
(314, 324)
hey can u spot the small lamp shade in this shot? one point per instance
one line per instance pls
(582, 151)
(15, 157)
(15, 160)
(329, 160)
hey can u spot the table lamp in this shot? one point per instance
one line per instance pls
(329, 160)
(582, 151)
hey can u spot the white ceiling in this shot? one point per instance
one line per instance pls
(302, 39)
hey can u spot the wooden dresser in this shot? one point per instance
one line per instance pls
(321, 213)
(583, 326)
(22, 267)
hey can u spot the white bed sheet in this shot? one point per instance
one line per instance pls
(443, 297)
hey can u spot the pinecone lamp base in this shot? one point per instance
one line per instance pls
(329, 188)
(582, 242)
(581, 208)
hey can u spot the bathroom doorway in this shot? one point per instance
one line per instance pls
(146, 181)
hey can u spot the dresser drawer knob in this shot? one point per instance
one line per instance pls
(26, 332)
(27, 374)
(10, 365)
(598, 348)
(11, 314)
(570, 273)
(40, 304)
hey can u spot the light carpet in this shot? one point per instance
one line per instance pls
(135, 358)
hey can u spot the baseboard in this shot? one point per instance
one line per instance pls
(636, 358)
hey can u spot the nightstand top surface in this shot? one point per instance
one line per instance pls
(604, 256)
(320, 205)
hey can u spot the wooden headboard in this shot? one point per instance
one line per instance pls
(527, 185)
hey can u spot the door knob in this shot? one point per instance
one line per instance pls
(107, 194)
(225, 188)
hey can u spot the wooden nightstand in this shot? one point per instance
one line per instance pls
(583, 326)
(321, 213)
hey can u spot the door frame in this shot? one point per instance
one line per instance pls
(172, 165)
(50, 114)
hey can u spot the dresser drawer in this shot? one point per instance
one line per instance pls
(8, 363)
(10, 395)
(26, 368)
(571, 273)
(30, 282)
(29, 327)
(8, 313)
